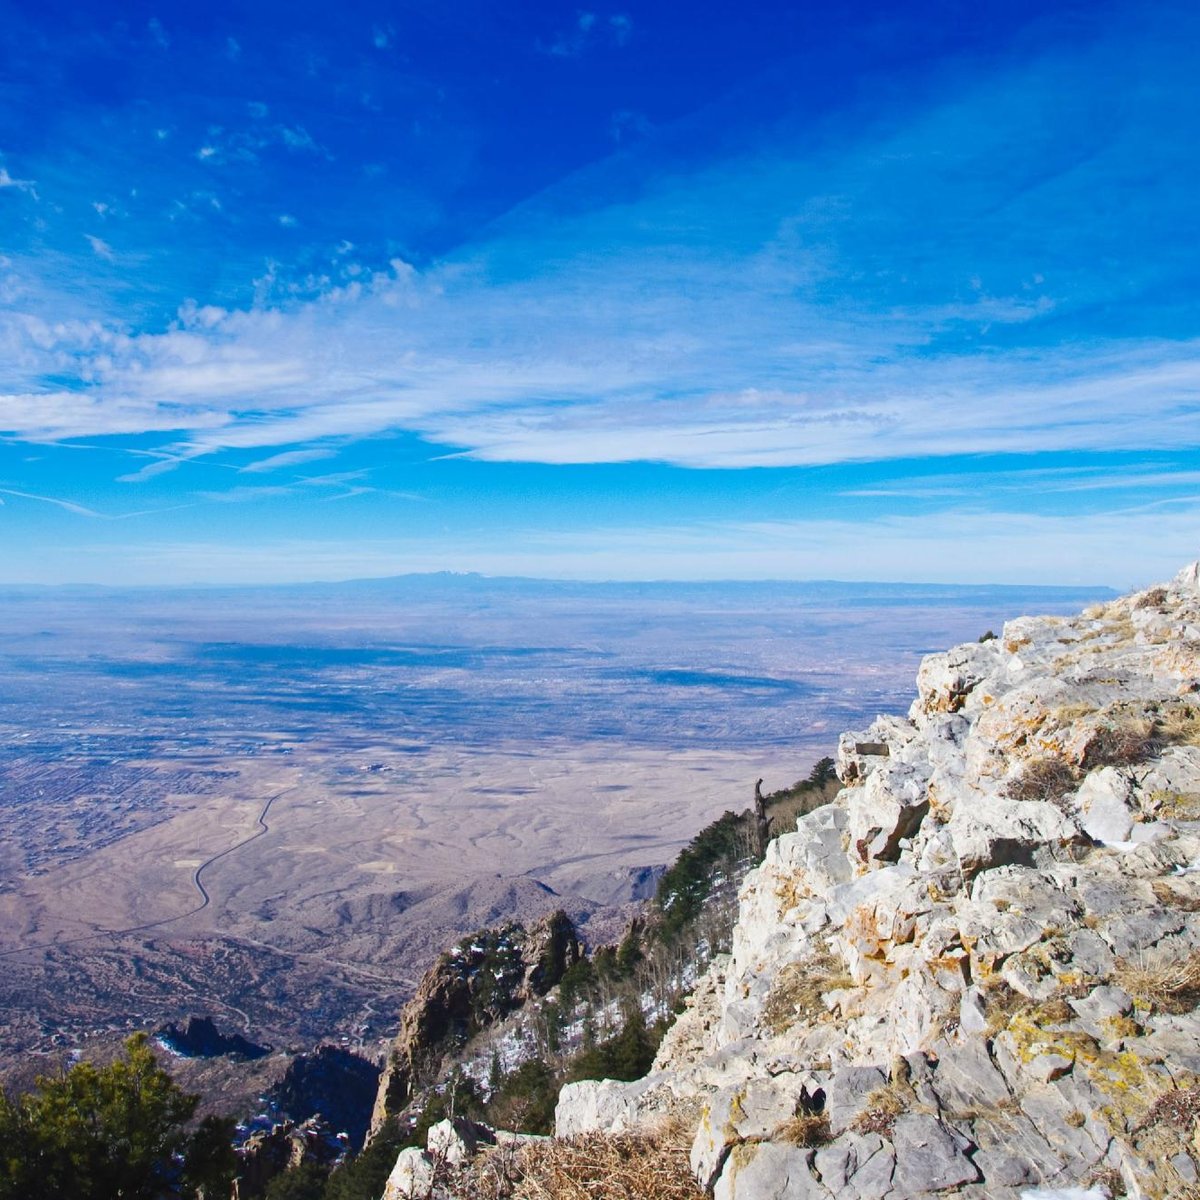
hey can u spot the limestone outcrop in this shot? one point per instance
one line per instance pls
(975, 974)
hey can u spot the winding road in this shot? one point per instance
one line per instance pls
(197, 881)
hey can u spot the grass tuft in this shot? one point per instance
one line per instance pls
(1048, 779)
(1170, 986)
(1123, 744)
(645, 1166)
(796, 991)
(883, 1106)
(804, 1129)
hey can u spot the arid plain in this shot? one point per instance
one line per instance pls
(276, 806)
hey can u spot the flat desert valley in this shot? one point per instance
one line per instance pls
(276, 806)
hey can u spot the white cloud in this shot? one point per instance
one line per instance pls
(51, 416)
(100, 248)
(610, 377)
(81, 510)
(68, 505)
(242, 495)
(298, 139)
(621, 26)
(289, 458)
(21, 185)
(759, 311)
(161, 463)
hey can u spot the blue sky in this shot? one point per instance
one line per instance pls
(629, 291)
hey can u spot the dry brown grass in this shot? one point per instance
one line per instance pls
(795, 995)
(1170, 986)
(1005, 1003)
(1154, 598)
(645, 1166)
(1179, 725)
(1163, 1133)
(1121, 744)
(804, 1129)
(1048, 778)
(883, 1106)
(791, 806)
(1068, 714)
(1002, 1004)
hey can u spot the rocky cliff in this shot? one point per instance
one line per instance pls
(477, 983)
(976, 972)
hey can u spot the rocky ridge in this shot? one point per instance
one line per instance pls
(976, 972)
(468, 989)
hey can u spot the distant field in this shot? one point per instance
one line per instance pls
(276, 805)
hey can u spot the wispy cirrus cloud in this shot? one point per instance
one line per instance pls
(906, 292)
(100, 248)
(28, 186)
(82, 510)
(289, 458)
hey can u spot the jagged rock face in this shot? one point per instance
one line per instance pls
(485, 977)
(284, 1147)
(975, 973)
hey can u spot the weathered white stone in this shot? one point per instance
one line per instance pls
(889, 807)
(1176, 770)
(769, 1171)
(847, 1094)
(454, 1140)
(1045, 1068)
(412, 1177)
(966, 1079)
(1101, 1004)
(604, 1105)
(1103, 800)
(930, 1157)
(1002, 1170)
(972, 1012)
(750, 1112)
(875, 1167)
(1006, 832)
(814, 854)
(944, 681)
(1188, 580)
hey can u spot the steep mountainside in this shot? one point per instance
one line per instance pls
(468, 989)
(975, 973)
